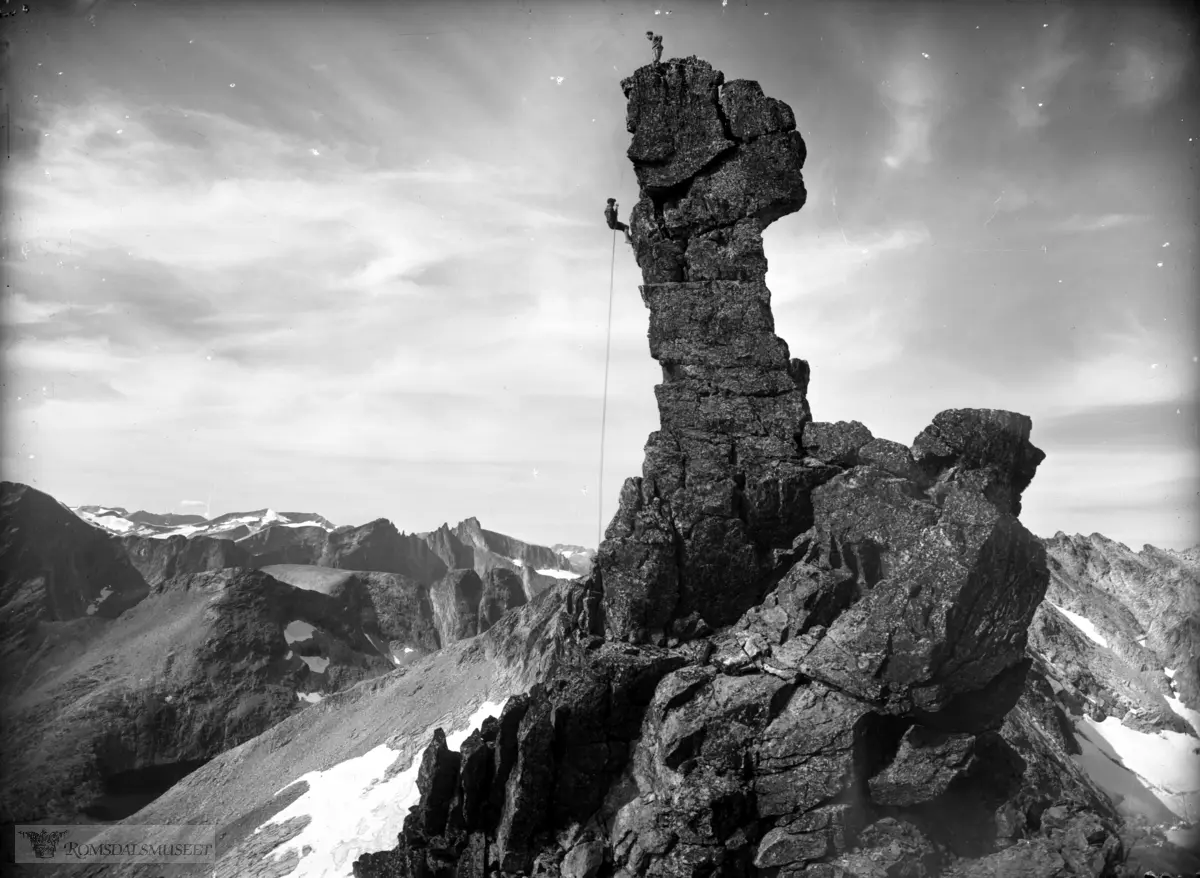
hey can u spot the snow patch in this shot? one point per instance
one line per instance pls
(111, 523)
(1166, 762)
(559, 574)
(353, 809)
(94, 606)
(315, 663)
(184, 530)
(1170, 672)
(310, 697)
(298, 631)
(1142, 642)
(1099, 762)
(517, 561)
(1083, 624)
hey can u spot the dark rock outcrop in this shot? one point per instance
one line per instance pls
(164, 519)
(54, 567)
(465, 605)
(547, 762)
(455, 554)
(376, 546)
(426, 557)
(200, 665)
(502, 591)
(161, 558)
(456, 598)
(285, 545)
(393, 611)
(472, 534)
(801, 647)
(402, 612)
(379, 546)
(472, 546)
(725, 482)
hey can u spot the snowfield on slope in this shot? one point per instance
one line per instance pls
(1083, 624)
(354, 808)
(558, 574)
(1165, 764)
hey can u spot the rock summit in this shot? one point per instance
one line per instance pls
(802, 647)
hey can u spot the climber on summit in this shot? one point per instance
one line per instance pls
(610, 214)
(655, 45)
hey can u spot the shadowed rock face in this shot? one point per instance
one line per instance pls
(105, 710)
(813, 639)
(724, 482)
(55, 567)
(160, 559)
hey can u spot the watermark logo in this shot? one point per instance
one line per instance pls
(44, 842)
(116, 844)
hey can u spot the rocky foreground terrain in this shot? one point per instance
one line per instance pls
(801, 650)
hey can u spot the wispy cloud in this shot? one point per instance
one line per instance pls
(1030, 97)
(1148, 74)
(380, 259)
(912, 96)
(1103, 222)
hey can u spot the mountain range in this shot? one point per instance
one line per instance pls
(145, 658)
(138, 646)
(155, 668)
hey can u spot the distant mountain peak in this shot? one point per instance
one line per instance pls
(230, 525)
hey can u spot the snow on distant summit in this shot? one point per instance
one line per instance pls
(232, 525)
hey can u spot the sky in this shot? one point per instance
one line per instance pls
(350, 258)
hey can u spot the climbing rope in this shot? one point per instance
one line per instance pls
(604, 411)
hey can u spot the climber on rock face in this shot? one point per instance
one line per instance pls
(610, 214)
(655, 45)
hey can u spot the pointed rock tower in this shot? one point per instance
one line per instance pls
(724, 482)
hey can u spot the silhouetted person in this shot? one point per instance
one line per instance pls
(610, 214)
(655, 45)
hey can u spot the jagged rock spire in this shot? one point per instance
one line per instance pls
(724, 481)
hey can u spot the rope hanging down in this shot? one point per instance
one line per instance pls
(604, 411)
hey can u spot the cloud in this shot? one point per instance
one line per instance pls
(1029, 96)
(912, 97)
(1137, 424)
(393, 273)
(811, 263)
(193, 502)
(1147, 75)
(1098, 223)
(1134, 495)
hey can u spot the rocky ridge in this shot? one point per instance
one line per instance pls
(266, 538)
(129, 660)
(802, 650)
